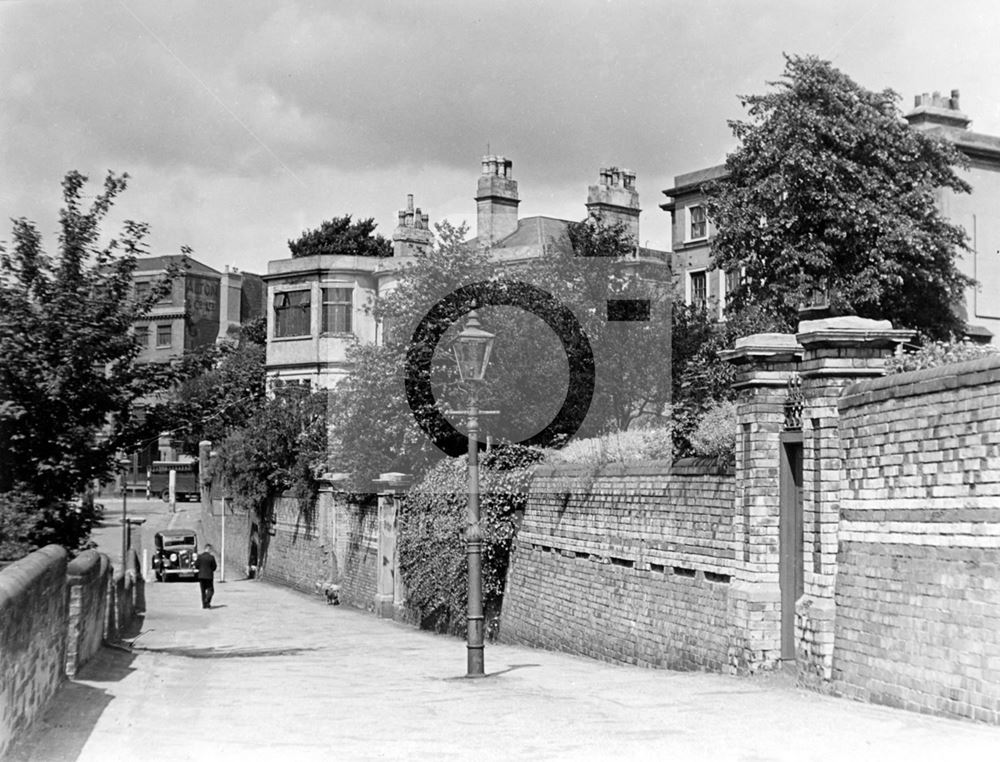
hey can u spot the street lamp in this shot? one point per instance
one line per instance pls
(472, 349)
(124, 464)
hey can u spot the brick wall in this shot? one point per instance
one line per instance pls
(337, 544)
(300, 552)
(630, 565)
(917, 619)
(357, 546)
(33, 619)
(89, 575)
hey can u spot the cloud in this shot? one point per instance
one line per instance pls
(245, 121)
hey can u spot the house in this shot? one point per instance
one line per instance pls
(975, 211)
(316, 305)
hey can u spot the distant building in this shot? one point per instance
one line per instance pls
(316, 304)
(978, 212)
(204, 306)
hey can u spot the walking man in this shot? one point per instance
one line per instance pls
(206, 572)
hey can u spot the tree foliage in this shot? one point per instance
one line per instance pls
(280, 449)
(224, 397)
(831, 190)
(342, 236)
(527, 377)
(69, 375)
(701, 379)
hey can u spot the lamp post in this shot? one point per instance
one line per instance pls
(472, 349)
(124, 465)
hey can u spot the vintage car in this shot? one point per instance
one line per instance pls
(175, 554)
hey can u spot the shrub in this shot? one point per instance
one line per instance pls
(629, 446)
(934, 354)
(714, 436)
(432, 523)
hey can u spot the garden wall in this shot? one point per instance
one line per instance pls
(33, 622)
(335, 543)
(630, 565)
(918, 569)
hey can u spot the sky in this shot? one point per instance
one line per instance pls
(243, 123)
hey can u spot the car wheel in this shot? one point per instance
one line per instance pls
(165, 496)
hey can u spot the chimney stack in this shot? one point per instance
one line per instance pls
(496, 200)
(933, 110)
(412, 231)
(614, 199)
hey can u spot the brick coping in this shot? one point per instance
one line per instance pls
(679, 467)
(984, 370)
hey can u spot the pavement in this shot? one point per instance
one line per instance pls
(272, 674)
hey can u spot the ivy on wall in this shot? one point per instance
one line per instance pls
(432, 524)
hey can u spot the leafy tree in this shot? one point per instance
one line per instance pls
(280, 449)
(68, 371)
(342, 236)
(701, 380)
(224, 397)
(831, 190)
(527, 376)
(633, 357)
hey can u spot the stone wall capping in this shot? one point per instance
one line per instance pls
(985, 370)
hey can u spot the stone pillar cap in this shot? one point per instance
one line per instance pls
(393, 480)
(763, 346)
(852, 322)
(851, 329)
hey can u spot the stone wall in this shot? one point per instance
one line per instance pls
(89, 577)
(33, 621)
(126, 599)
(918, 570)
(631, 565)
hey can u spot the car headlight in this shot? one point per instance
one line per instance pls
(173, 556)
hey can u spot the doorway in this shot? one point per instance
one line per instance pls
(790, 542)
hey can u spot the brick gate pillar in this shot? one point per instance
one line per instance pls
(836, 352)
(764, 363)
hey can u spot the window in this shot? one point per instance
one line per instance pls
(142, 336)
(697, 223)
(698, 288)
(164, 335)
(142, 288)
(338, 303)
(291, 314)
(732, 281)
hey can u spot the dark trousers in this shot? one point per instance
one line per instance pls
(207, 591)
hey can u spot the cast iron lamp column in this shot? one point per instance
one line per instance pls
(472, 349)
(124, 464)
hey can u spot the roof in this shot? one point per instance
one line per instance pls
(691, 182)
(533, 234)
(160, 263)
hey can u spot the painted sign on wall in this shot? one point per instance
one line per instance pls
(202, 307)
